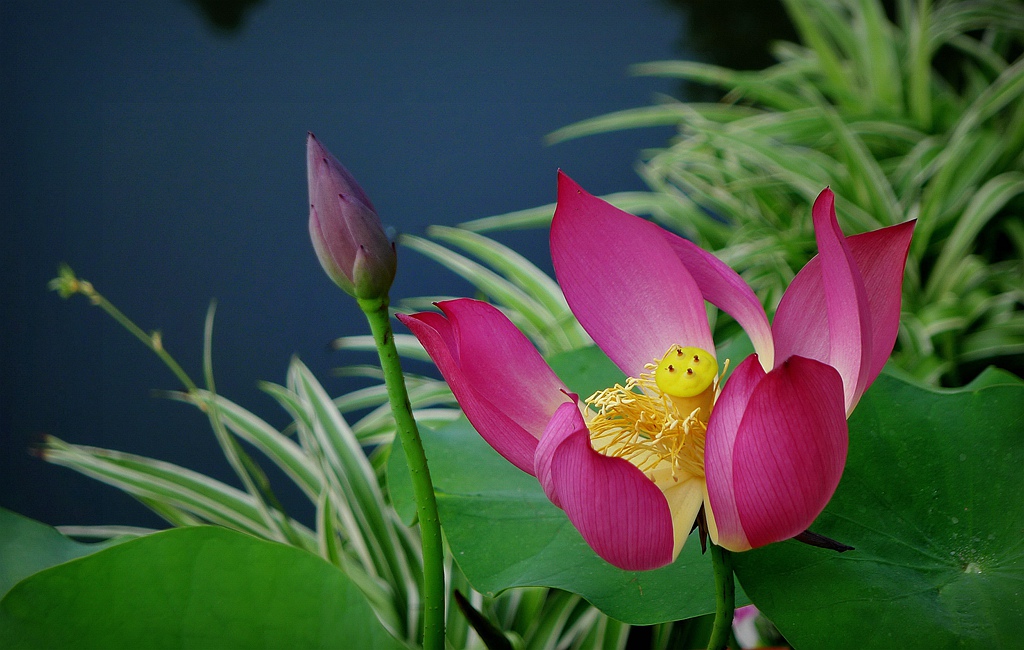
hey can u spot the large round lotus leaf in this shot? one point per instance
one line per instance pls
(932, 499)
(198, 587)
(28, 546)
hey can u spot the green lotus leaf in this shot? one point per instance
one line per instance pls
(201, 587)
(28, 546)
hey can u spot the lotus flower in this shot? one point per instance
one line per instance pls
(634, 465)
(347, 235)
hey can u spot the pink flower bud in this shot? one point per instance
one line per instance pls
(346, 231)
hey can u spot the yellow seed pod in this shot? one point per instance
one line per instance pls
(686, 372)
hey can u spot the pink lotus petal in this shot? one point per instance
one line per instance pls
(566, 421)
(797, 327)
(744, 613)
(724, 288)
(503, 365)
(442, 328)
(789, 451)
(881, 256)
(846, 301)
(621, 514)
(718, 452)
(801, 324)
(623, 281)
(494, 401)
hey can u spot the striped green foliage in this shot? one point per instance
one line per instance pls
(527, 295)
(917, 117)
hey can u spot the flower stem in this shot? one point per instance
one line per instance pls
(67, 284)
(376, 310)
(725, 597)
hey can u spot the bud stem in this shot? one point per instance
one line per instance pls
(376, 310)
(725, 598)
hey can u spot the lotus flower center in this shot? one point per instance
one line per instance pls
(658, 421)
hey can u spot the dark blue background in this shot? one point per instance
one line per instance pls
(163, 159)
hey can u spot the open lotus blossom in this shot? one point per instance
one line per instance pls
(633, 465)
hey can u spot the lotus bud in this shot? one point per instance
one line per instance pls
(347, 235)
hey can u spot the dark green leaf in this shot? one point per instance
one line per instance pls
(28, 546)
(201, 587)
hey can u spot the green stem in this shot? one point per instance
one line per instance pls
(376, 310)
(152, 341)
(725, 597)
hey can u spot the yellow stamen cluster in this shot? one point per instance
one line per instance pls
(645, 425)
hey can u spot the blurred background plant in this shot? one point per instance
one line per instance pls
(912, 114)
